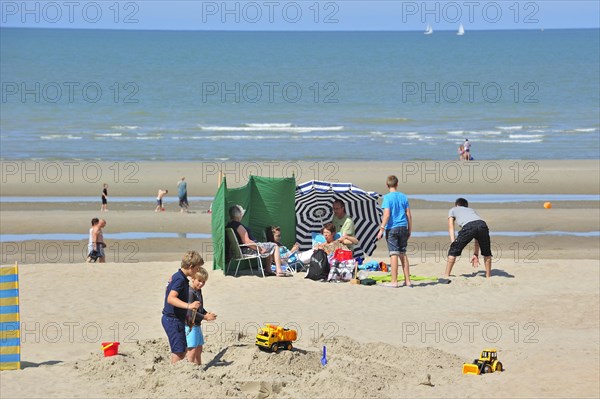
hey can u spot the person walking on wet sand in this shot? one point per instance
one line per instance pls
(182, 194)
(104, 207)
(96, 245)
(159, 200)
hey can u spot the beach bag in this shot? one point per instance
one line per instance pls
(318, 268)
(341, 271)
(94, 255)
(342, 254)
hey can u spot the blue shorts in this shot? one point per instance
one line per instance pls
(397, 240)
(175, 330)
(195, 337)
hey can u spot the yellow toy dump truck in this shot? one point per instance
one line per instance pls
(273, 337)
(487, 363)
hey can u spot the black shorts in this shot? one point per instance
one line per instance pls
(478, 230)
(104, 201)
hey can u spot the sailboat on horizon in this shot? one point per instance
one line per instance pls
(429, 30)
(461, 30)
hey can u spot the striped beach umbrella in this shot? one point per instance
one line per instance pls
(314, 208)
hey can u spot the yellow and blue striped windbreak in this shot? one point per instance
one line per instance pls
(10, 338)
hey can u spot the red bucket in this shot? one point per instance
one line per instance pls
(110, 348)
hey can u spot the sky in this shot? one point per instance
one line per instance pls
(344, 15)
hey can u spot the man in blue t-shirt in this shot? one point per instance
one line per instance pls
(397, 223)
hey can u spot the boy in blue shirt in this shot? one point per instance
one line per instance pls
(193, 332)
(397, 223)
(176, 304)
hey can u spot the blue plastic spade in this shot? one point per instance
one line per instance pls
(324, 358)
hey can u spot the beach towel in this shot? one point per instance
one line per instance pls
(387, 278)
(371, 265)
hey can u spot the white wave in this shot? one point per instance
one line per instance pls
(60, 136)
(236, 137)
(456, 132)
(516, 141)
(591, 129)
(414, 137)
(485, 132)
(125, 127)
(110, 134)
(254, 137)
(536, 131)
(268, 125)
(148, 137)
(288, 129)
(509, 127)
(525, 136)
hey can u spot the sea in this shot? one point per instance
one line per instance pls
(348, 96)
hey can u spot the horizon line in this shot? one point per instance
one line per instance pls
(279, 31)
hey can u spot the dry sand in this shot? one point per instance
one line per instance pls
(540, 309)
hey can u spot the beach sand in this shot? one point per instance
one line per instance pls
(540, 309)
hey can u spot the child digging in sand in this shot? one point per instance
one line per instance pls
(193, 332)
(177, 305)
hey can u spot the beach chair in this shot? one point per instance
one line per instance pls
(236, 254)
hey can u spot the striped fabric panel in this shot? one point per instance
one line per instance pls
(9, 285)
(10, 350)
(9, 334)
(9, 317)
(14, 301)
(9, 278)
(8, 271)
(7, 310)
(9, 293)
(10, 341)
(12, 358)
(11, 325)
(10, 365)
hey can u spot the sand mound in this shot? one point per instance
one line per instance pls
(241, 370)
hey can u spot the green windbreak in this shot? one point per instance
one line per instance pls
(267, 201)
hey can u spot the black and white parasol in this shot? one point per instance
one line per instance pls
(314, 208)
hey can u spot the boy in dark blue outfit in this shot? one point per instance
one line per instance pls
(176, 304)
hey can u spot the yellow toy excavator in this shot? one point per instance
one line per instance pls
(487, 363)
